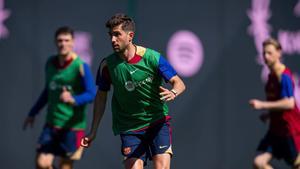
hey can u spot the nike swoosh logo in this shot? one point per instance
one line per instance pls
(161, 147)
(132, 72)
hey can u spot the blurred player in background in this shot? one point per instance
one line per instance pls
(283, 137)
(69, 88)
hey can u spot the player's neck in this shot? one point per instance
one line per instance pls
(64, 58)
(128, 53)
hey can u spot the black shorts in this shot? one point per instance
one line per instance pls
(281, 147)
(60, 142)
(147, 143)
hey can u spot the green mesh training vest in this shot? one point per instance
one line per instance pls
(61, 114)
(136, 101)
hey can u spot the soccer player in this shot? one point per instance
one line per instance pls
(140, 113)
(283, 137)
(69, 87)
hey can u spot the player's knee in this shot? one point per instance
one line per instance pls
(259, 163)
(162, 162)
(133, 163)
(162, 165)
(66, 164)
(43, 163)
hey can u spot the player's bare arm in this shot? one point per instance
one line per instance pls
(99, 108)
(282, 104)
(177, 88)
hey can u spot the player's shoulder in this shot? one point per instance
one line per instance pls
(287, 77)
(140, 50)
(287, 71)
(102, 64)
(79, 63)
(147, 53)
(287, 74)
(77, 59)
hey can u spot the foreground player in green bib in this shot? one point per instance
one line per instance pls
(140, 113)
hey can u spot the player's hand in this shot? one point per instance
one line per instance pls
(29, 121)
(166, 95)
(256, 104)
(66, 96)
(87, 140)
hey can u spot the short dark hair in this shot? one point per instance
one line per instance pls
(274, 42)
(64, 30)
(121, 19)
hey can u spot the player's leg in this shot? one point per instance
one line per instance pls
(133, 163)
(162, 161)
(262, 160)
(267, 149)
(290, 152)
(45, 150)
(161, 146)
(69, 146)
(65, 163)
(134, 150)
(44, 161)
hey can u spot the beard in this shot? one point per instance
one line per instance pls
(120, 49)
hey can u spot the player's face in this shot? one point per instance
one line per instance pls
(271, 55)
(120, 39)
(64, 43)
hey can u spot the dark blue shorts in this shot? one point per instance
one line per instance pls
(281, 147)
(147, 143)
(59, 142)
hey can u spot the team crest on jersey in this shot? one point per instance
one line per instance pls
(129, 85)
(126, 150)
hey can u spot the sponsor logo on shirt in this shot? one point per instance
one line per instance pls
(54, 86)
(130, 85)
